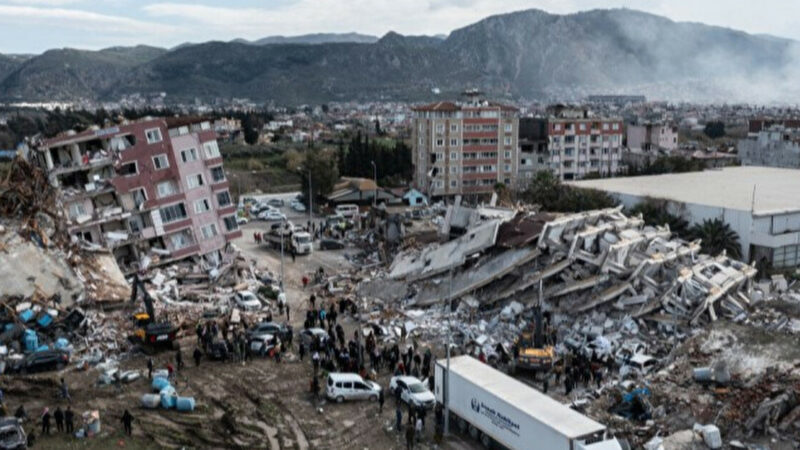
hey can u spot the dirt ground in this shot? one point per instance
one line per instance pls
(261, 404)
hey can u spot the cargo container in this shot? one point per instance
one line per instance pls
(505, 413)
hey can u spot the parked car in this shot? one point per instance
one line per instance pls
(271, 215)
(638, 365)
(257, 208)
(350, 386)
(307, 336)
(347, 210)
(263, 328)
(412, 391)
(298, 206)
(241, 220)
(12, 435)
(247, 301)
(261, 344)
(276, 202)
(40, 362)
(330, 244)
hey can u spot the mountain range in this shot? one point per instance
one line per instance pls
(523, 55)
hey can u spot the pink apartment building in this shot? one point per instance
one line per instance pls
(151, 190)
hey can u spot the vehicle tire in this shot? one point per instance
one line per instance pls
(59, 366)
(473, 432)
(23, 371)
(339, 399)
(462, 425)
(486, 440)
(373, 398)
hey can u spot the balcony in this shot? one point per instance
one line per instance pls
(77, 167)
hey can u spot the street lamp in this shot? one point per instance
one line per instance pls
(283, 229)
(375, 179)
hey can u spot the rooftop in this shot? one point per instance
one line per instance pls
(765, 190)
(555, 415)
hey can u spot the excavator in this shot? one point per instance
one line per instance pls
(534, 354)
(152, 336)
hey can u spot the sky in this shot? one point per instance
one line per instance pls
(33, 26)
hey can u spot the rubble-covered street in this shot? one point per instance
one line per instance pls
(665, 346)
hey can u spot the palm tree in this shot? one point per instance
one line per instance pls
(717, 236)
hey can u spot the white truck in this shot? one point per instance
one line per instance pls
(300, 241)
(503, 412)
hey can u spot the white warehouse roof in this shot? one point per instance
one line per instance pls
(557, 416)
(776, 190)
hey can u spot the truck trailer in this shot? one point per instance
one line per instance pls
(505, 413)
(299, 241)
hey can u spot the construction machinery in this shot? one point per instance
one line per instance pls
(533, 352)
(151, 335)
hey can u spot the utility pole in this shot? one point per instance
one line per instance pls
(283, 228)
(310, 198)
(447, 375)
(375, 179)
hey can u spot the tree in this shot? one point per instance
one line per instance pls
(321, 164)
(249, 128)
(717, 236)
(548, 191)
(654, 213)
(714, 129)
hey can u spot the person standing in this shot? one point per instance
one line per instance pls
(65, 391)
(127, 422)
(179, 359)
(69, 419)
(380, 402)
(197, 356)
(59, 416)
(46, 421)
(149, 368)
(409, 437)
(398, 416)
(418, 429)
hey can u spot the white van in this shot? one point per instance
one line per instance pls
(348, 211)
(350, 386)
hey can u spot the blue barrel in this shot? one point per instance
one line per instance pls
(31, 340)
(168, 397)
(184, 404)
(160, 383)
(26, 315)
(42, 348)
(62, 343)
(44, 320)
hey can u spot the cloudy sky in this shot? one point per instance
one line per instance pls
(31, 26)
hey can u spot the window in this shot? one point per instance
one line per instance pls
(440, 142)
(160, 161)
(615, 126)
(453, 142)
(230, 223)
(582, 127)
(217, 174)
(212, 149)
(557, 127)
(507, 155)
(153, 135)
(139, 196)
(508, 127)
(181, 240)
(166, 188)
(605, 127)
(195, 180)
(453, 156)
(506, 141)
(209, 231)
(77, 210)
(202, 205)
(189, 155)
(507, 168)
(453, 169)
(454, 128)
(453, 183)
(223, 199)
(173, 213)
(129, 169)
(440, 128)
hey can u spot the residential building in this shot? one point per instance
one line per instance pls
(151, 191)
(652, 137)
(570, 142)
(464, 148)
(759, 203)
(776, 146)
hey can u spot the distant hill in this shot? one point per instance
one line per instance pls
(528, 54)
(316, 38)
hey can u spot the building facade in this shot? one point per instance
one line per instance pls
(571, 143)
(776, 146)
(652, 137)
(464, 148)
(153, 191)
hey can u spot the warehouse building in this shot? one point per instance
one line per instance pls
(761, 204)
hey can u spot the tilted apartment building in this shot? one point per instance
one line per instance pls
(152, 191)
(464, 148)
(570, 142)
